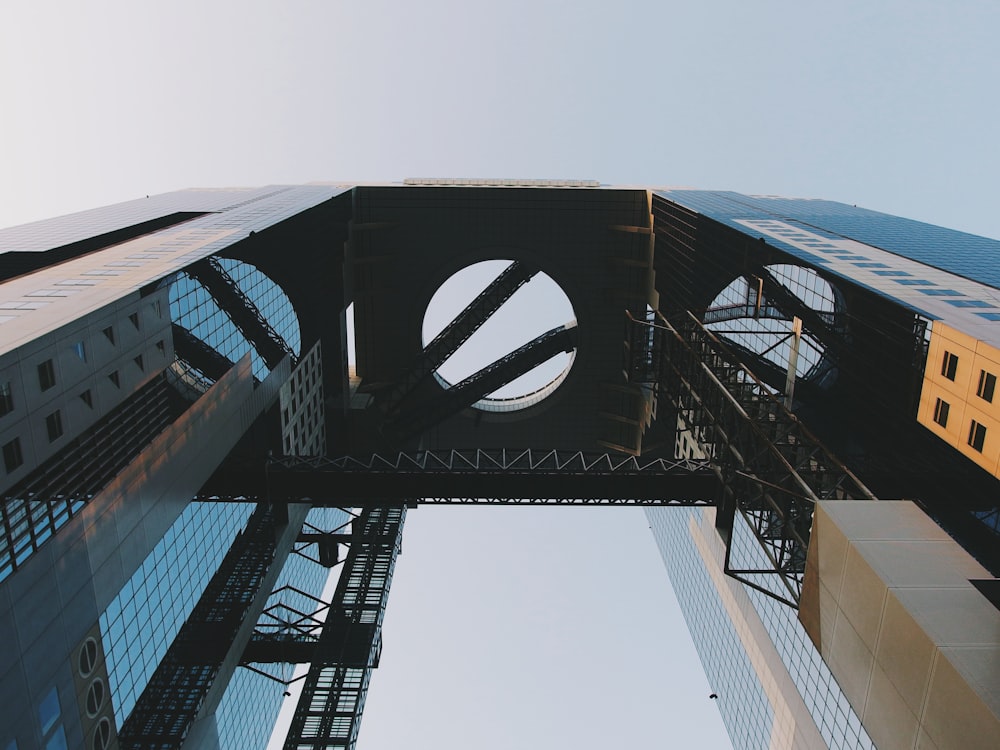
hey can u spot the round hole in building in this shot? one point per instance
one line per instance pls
(95, 697)
(102, 735)
(537, 315)
(87, 659)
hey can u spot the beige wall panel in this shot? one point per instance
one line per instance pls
(851, 662)
(954, 716)
(862, 598)
(907, 656)
(893, 725)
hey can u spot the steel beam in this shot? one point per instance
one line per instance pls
(198, 354)
(514, 477)
(480, 384)
(457, 332)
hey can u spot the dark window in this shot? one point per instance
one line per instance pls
(81, 350)
(12, 456)
(158, 308)
(138, 362)
(46, 375)
(134, 320)
(109, 334)
(87, 398)
(113, 377)
(6, 399)
(53, 425)
(161, 347)
(941, 412)
(987, 384)
(949, 366)
(977, 436)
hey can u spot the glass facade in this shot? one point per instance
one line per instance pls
(772, 685)
(967, 255)
(140, 624)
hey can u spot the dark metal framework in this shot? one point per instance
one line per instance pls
(328, 713)
(771, 468)
(476, 476)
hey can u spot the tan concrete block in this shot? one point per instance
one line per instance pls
(888, 720)
(923, 564)
(832, 550)
(953, 616)
(851, 662)
(980, 667)
(954, 716)
(905, 653)
(862, 596)
(828, 609)
(887, 519)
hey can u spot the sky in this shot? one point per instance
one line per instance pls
(890, 105)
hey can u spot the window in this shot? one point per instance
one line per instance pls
(46, 375)
(161, 347)
(987, 384)
(81, 350)
(113, 377)
(12, 456)
(134, 320)
(949, 366)
(977, 436)
(157, 308)
(53, 425)
(139, 363)
(109, 334)
(87, 398)
(6, 399)
(941, 412)
(49, 711)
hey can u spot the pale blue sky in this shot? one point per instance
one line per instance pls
(891, 105)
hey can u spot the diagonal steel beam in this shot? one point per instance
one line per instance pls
(457, 332)
(271, 347)
(480, 384)
(198, 354)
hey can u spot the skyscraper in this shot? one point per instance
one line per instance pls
(175, 392)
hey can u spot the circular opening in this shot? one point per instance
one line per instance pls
(95, 697)
(88, 657)
(764, 330)
(537, 306)
(102, 734)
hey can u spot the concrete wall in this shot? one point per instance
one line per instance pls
(914, 645)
